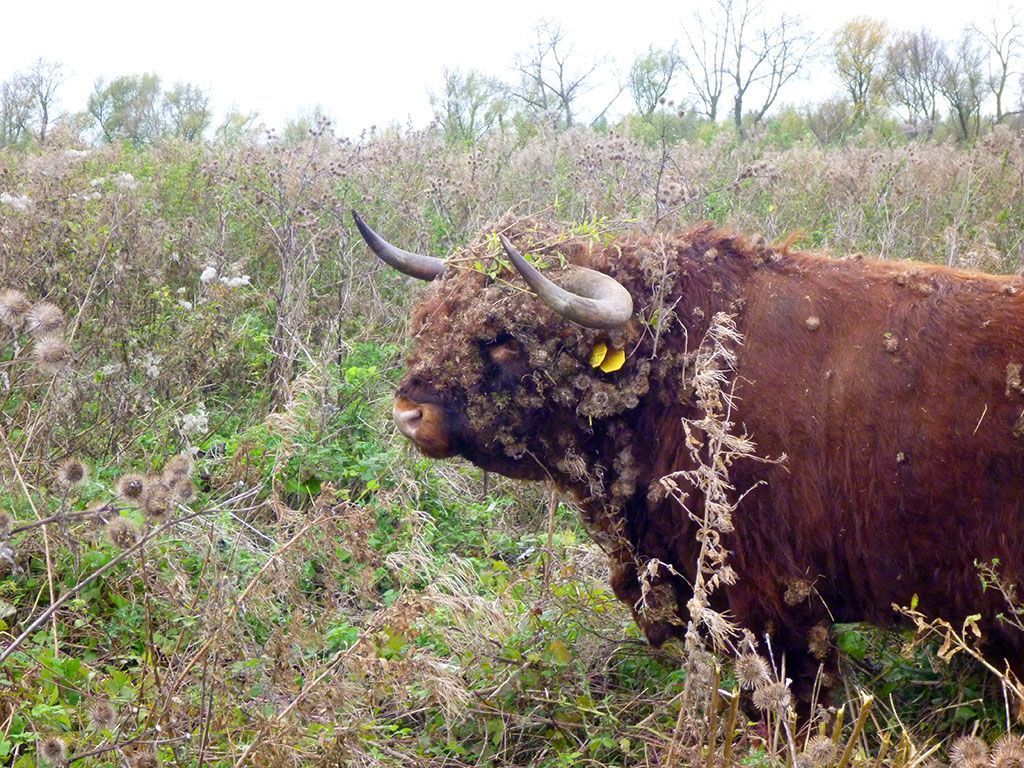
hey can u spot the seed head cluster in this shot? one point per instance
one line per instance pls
(754, 673)
(43, 321)
(157, 494)
(773, 697)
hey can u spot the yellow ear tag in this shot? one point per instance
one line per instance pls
(598, 354)
(615, 359)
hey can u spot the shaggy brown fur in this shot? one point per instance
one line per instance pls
(888, 386)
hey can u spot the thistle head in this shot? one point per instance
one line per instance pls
(130, 487)
(102, 715)
(820, 751)
(14, 306)
(43, 318)
(51, 352)
(123, 533)
(751, 671)
(72, 472)
(772, 697)
(968, 751)
(53, 751)
(157, 502)
(1008, 752)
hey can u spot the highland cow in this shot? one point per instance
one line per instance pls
(893, 391)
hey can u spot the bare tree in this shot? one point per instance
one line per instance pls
(766, 57)
(963, 83)
(859, 59)
(703, 59)
(15, 111)
(1004, 46)
(42, 80)
(650, 78)
(916, 62)
(550, 83)
(776, 55)
(736, 45)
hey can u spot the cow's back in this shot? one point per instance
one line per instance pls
(894, 392)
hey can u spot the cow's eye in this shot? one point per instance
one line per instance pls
(505, 353)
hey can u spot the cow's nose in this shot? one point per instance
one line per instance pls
(408, 419)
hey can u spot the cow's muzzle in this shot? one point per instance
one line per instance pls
(408, 418)
(424, 424)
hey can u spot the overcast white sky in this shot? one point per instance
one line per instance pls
(371, 62)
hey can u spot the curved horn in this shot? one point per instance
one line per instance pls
(412, 264)
(590, 298)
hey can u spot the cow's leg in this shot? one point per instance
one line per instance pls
(804, 652)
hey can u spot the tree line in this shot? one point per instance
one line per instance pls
(732, 63)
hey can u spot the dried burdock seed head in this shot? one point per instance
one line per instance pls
(1008, 752)
(14, 306)
(820, 752)
(131, 486)
(71, 473)
(157, 501)
(967, 750)
(123, 533)
(797, 591)
(6, 526)
(179, 466)
(772, 697)
(102, 715)
(818, 641)
(51, 352)
(53, 751)
(751, 671)
(44, 317)
(144, 760)
(181, 487)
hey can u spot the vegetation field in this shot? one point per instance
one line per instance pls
(215, 550)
